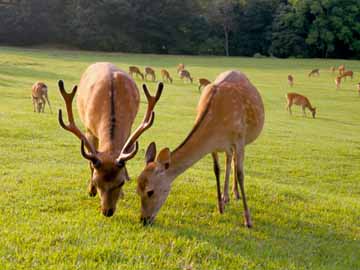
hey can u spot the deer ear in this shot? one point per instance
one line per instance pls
(164, 158)
(150, 153)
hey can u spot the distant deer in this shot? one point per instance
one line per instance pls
(230, 116)
(39, 95)
(135, 70)
(166, 76)
(314, 72)
(150, 72)
(291, 80)
(202, 83)
(347, 73)
(180, 67)
(338, 82)
(297, 99)
(184, 74)
(108, 101)
(341, 69)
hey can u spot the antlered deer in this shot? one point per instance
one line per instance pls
(338, 81)
(347, 73)
(341, 69)
(107, 102)
(314, 72)
(203, 82)
(297, 99)
(180, 67)
(39, 95)
(135, 70)
(166, 76)
(290, 80)
(151, 72)
(230, 116)
(184, 74)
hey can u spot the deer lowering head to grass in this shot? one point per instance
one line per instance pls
(297, 99)
(180, 67)
(203, 83)
(184, 74)
(39, 95)
(166, 76)
(135, 70)
(107, 102)
(314, 72)
(291, 80)
(230, 116)
(150, 72)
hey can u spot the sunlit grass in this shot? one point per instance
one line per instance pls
(302, 175)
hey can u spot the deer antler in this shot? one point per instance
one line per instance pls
(147, 122)
(68, 98)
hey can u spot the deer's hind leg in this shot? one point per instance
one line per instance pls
(218, 186)
(94, 141)
(226, 197)
(239, 164)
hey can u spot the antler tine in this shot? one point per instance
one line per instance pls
(68, 98)
(145, 124)
(92, 157)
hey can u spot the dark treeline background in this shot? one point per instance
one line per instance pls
(282, 28)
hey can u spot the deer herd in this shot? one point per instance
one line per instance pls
(230, 116)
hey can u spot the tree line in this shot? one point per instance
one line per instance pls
(280, 28)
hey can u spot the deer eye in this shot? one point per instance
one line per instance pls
(150, 193)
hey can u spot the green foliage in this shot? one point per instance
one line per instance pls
(301, 176)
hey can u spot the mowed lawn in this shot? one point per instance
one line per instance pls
(302, 176)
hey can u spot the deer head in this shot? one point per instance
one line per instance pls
(154, 183)
(108, 171)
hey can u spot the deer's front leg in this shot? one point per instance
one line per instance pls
(218, 186)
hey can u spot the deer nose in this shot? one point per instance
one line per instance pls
(108, 212)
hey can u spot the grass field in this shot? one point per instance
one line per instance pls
(302, 175)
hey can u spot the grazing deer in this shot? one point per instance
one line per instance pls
(135, 70)
(291, 80)
(297, 99)
(314, 72)
(338, 81)
(39, 94)
(347, 73)
(180, 67)
(107, 102)
(166, 76)
(149, 71)
(341, 69)
(184, 74)
(230, 116)
(203, 82)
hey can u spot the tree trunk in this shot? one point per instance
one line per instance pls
(226, 41)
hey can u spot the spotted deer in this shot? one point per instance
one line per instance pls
(180, 67)
(203, 83)
(150, 72)
(39, 95)
(347, 73)
(341, 69)
(135, 70)
(166, 76)
(291, 80)
(230, 116)
(300, 100)
(314, 72)
(184, 74)
(107, 103)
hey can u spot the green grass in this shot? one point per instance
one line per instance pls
(302, 175)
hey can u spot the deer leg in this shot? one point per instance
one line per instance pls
(94, 141)
(218, 187)
(48, 101)
(303, 109)
(33, 102)
(226, 198)
(43, 104)
(235, 186)
(239, 164)
(289, 107)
